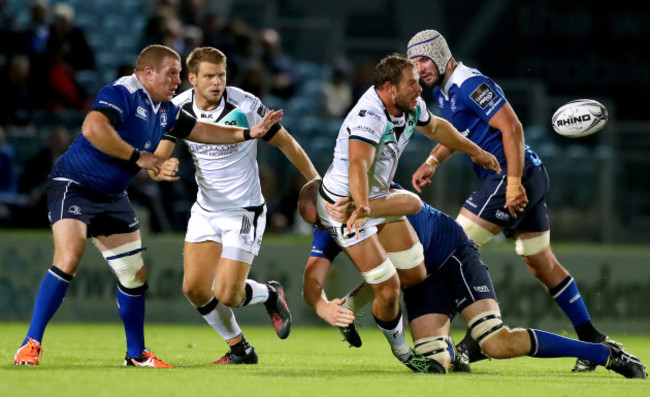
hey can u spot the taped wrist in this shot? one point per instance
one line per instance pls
(135, 156)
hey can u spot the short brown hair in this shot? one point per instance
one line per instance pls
(204, 54)
(153, 56)
(390, 69)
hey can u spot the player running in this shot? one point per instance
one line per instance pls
(369, 144)
(457, 282)
(513, 202)
(225, 230)
(87, 192)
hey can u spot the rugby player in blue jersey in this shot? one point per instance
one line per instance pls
(513, 202)
(87, 191)
(457, 282)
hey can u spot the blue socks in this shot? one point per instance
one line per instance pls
(547, 345)
(48, 300)
(568, 297)
(130, 305)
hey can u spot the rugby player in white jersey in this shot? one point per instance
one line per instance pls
(227, 223)
(369, 144)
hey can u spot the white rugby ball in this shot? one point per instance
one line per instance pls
(579, 118)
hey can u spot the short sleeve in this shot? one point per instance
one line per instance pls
(114, 97)
(483, 96)
(367, 126)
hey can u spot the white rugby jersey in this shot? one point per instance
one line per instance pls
(369, 122)
(227, 175)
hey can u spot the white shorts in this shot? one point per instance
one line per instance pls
(241, 228)
(340, 233)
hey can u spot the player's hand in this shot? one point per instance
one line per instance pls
(487, 161)
(341, 210)
(262, 127)
(150, 161)
(516, 198)
(167, 171)
(358, 218)
(422, 176)
(335, 314)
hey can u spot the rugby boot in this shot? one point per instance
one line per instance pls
(29, 353)
(351, 335)
(231, 358)
(277, 308)
(623, 362)
(146, 359)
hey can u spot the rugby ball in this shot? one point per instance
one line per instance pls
(579, 118)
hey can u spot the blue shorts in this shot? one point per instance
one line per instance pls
(104, 215)
(462, 280)
(487, 202)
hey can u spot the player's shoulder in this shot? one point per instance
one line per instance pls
(183, 98)
(369, 110)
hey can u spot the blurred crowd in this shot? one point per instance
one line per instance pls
(42, 58)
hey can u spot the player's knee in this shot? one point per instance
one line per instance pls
(484, 327)
(126, 262)
(387, 293)
(474, 231)
(380, 274)
(410, 264)
(533, 246)
(195, 295)
(435, 348)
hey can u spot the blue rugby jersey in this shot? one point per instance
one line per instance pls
(439, 234)
(142, 123)
(468, 101)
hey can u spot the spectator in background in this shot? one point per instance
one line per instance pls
(67, 52)
(18, 86)
(7, 167)
(337, 94)
(279, 65)
(362, 79)
(34, 177)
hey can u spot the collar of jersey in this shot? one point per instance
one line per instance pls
(138, 83)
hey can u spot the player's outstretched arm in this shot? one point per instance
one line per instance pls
(332, 311)
(294, 153)
(219, 134)
(101, 134)
(512, 134)
(399, 202)
(441, 131)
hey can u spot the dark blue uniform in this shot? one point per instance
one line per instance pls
(89, 185)
(468, 101)
(456, 276)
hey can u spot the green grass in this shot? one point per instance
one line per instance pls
(86, 359)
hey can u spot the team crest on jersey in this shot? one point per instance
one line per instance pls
(163, 119)
(483, 95)
(141, 112)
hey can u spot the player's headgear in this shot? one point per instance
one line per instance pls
(430, 44)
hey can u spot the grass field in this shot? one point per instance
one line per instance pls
(86, 359)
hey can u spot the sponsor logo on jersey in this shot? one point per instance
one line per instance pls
(483, 95)
(362, 113)
(262, 110)
(465, 133)
(141, 112)
(207, 115)
(363, 128)
(481, 288)
(147, 144)
(231, 122)
(134, 223)
(110, 105)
